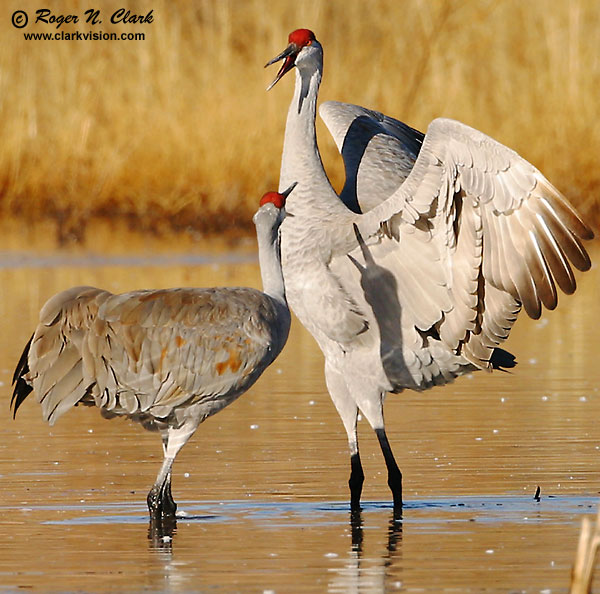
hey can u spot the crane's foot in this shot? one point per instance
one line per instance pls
(169, 505)
(160, 501)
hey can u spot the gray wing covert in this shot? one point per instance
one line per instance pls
(183, 345)
(378, 151)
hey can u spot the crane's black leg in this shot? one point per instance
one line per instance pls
(169, 507)
(394, 474)
(160, 500)
(357, 478)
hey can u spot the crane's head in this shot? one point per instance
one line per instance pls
(302, 46)
(272, 208)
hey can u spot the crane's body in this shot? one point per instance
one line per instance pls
(167, 359)
(416, 273)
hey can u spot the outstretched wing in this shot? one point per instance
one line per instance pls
(502, 234)
(149, 350)
(378, 151)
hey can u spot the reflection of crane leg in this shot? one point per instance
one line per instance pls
(348, 412)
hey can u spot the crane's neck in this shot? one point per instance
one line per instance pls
(301, 160)
(269, 259)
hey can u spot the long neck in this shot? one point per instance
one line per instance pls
(301, 160)
(270, 262)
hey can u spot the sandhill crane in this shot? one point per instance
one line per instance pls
(418, 273)
(167, 359)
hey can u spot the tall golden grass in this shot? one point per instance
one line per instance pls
(177, 131)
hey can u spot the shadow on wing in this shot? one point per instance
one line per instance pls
(378, 154)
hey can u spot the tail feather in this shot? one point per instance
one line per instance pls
(22, 389)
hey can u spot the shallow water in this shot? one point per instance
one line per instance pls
(263, 484)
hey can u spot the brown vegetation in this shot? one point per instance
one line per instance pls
(582, 574)
(177, 131)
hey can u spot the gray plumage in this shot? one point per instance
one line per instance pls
(167, 359)
(416, 273)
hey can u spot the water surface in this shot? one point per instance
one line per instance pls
(263, 484)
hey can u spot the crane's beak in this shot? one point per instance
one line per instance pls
(288, 55)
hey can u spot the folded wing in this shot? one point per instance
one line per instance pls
(148, 351)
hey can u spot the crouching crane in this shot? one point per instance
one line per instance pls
(167, 359)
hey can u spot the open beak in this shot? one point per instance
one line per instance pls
(288, 55)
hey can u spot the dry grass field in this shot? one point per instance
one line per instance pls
(176, 132)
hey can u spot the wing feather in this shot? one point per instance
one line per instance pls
(492, 215)
(370, 143)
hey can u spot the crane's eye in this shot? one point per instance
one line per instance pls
(309, 42)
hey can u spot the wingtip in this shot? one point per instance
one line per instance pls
(20, 393)
(21, 388)
(502, 359)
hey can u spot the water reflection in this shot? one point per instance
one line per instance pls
(161, 531)
(376, 573)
